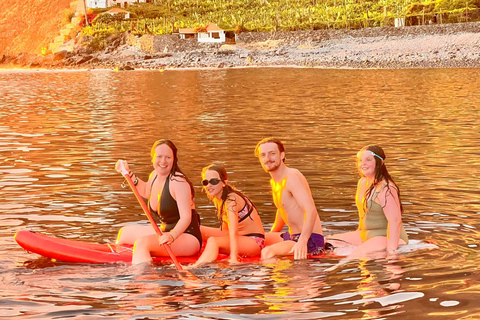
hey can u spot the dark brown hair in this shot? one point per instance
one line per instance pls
(381, 174)
(228, 189)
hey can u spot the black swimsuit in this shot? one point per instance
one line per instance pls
(169, 214)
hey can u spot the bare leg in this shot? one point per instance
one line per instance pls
(130, 234)
(146, 246)
(249, 247)
(278, 249)
(373, 248)
(142, 248)
(208, 232)
(212, 249)
(353, 238)
(272, 238)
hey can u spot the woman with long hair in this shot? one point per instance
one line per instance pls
(241, 232)
(170, 196)
(379, 207)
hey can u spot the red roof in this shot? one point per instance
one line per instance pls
(213, 27)
(210, 28)
(186, 30)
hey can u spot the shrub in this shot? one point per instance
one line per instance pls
(99, 41)
(417, 8)
(109, 18)
(148, 10)
(98, 44)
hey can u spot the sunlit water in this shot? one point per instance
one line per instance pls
(62, 132)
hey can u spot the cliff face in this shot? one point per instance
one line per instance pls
(29, 25)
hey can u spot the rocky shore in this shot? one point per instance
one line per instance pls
(432, 46)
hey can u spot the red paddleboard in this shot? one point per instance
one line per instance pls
(79, 251)
(86, 252)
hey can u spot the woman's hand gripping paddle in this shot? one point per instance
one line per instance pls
(149, 216)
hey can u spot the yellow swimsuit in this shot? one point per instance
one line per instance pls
(374, 223)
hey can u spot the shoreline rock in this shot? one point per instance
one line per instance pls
(432, 46)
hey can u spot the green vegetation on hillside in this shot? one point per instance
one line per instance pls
(166, 16)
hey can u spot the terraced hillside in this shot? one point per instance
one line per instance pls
(29, 25)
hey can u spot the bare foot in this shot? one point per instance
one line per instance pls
(336, 266)
(192, 266)
(394, 286)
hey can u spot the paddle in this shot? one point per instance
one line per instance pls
(149, 216)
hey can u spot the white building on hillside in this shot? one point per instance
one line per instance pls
(112, 3)
(213, 34)
(187, 33)
(97, 3)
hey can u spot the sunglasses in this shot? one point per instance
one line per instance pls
(213, 181)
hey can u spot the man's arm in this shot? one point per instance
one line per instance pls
(278, 224)
(300, 190)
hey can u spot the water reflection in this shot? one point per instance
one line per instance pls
(62, 132)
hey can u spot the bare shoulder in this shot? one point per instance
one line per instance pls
(178, 182)
(151, 176)
(293, 173)
(177, 178)
(232, 200)
(389, 190)
(362, 180)
(295, 178)
(362, 185)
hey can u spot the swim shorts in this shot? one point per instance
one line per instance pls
(315, 244)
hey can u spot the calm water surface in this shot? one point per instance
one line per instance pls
(62, 132)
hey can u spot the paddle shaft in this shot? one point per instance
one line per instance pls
(150, 218)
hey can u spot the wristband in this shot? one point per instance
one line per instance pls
(135, 182)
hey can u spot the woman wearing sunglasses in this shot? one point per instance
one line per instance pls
(170, 196)
(241, 232)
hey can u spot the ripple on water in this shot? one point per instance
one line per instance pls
(67, 167)
(394, 298)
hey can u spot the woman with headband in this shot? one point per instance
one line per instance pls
(379, 207)
(241, 232)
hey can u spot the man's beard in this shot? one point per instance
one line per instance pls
(272, 167)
